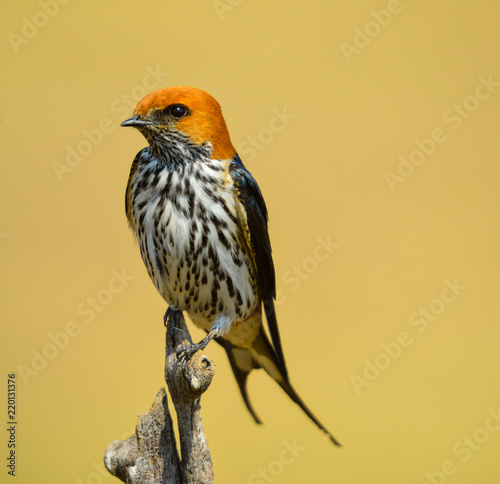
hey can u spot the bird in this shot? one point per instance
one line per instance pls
(201, 224)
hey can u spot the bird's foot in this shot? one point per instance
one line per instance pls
(170, 313)
(185, 353)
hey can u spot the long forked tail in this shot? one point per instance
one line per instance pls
(262, 355)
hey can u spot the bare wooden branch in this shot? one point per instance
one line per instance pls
(150, 456)
(186, 390)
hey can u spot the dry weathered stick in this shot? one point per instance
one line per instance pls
(150, 456)
(186, 390)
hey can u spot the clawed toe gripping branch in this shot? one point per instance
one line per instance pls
(151, 456)
(185, 353)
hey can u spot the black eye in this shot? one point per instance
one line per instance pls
(177, 111)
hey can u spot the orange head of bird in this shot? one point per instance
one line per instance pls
(182, 115)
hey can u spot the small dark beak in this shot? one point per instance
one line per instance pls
(136, 122)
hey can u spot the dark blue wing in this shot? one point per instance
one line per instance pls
(253, 202)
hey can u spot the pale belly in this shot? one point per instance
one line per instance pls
(196, 258)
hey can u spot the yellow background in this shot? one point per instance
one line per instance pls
(323, 176)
